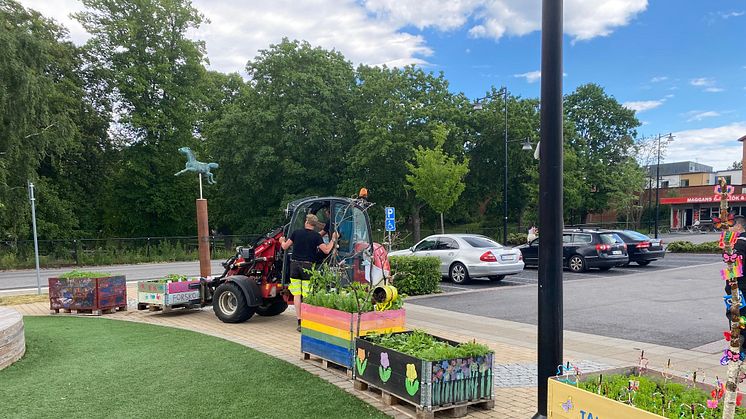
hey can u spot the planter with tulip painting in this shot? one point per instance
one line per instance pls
(632, 393)
(428, 384)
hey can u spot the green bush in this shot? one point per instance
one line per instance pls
(689, 247)
(83, 274)
(515, 239)
(415, 275)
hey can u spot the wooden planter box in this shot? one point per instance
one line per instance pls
(330, 334)
(88, 294)
(164, 296)
(428, 385)
(584, 404)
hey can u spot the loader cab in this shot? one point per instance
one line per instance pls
(346, 216)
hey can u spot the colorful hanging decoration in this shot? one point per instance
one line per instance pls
(733, 270)
(728, 237)
(728, 190)
(724, 222)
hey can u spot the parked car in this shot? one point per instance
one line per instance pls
(641, 248)
(583, 249)
(466, 256)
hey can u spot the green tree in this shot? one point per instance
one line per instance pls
(51, 126)
(287, 134)
(395, 112)
(736, 165)
(602, 140)
(435, 177)
(152, 70)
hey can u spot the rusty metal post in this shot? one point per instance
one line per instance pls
(203, 236)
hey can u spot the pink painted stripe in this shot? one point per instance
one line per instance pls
(182, 286)
(326, 312)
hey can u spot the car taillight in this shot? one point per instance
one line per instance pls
(603, 247)
(488, 257)
(643, 245)
(520, 256)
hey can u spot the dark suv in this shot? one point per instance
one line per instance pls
(583, 249)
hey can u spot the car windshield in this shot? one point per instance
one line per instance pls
(610, 238)
(635, 235)
(481, 242)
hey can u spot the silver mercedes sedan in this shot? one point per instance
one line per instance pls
(466, 256)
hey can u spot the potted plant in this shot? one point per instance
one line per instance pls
(173, 291)
(426, 371)
(633, 392)
(332, 317)
(89, 292)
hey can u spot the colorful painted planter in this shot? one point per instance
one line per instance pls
(565, 401)
(427, 384)
(167, 294)
(330, 334)
(94, 294)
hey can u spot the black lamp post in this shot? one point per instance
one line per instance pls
(526, 146)
(657, 180)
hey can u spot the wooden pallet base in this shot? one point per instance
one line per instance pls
(326, 364)
(164, 308)
(451, 410)
(89, 311)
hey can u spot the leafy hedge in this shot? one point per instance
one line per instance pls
(415, 275)
(689, 247)
(515, 239)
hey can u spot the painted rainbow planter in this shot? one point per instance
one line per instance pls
(167, 295)
(88, 294)
(567, 401)
(330, 334)
(429, 385)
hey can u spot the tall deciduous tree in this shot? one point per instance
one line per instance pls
(602, 140)
(436, 178)
(152, 69)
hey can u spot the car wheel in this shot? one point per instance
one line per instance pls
(576, 263)
(459, 274)
(497, 278)
(604, 269)
(643, 262)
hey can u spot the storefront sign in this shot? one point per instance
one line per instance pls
(700, 199)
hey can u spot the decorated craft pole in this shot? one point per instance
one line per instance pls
(734, 269)
(203, 233)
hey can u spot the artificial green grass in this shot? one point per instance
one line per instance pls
(92, 367)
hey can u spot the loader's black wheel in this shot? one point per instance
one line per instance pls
(229, 304)
(272, 307)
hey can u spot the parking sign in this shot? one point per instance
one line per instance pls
(390, 219)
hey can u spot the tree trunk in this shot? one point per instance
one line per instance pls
(442, 227)
(416, 222)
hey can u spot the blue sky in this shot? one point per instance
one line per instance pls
(680, 63)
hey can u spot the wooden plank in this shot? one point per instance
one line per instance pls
(336, 354)
(327, 313)
(336, 321)
(380, 315)
(326, 338)
(329, 330)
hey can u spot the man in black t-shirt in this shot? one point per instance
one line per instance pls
(306, 242)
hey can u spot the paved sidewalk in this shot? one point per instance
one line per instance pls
(514, 345)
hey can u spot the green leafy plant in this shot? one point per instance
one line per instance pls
(353, 298)
(83, 274)
(416, 275)
(423, 345)
(653, 395)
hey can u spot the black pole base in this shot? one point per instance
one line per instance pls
(538, 416)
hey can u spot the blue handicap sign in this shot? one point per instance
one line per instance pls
(390, 225)
(390, 213)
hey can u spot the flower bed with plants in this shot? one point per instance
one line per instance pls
(169, 292)
(425, 370)
(629, 393)
(333, 316)
(87, 292)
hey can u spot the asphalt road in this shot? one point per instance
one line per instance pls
(26, 279)
(674, 302)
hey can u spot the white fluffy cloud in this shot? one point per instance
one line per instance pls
(698, 142)
(368, 31)
(583, 19)
(531, 76)
(700, 115)
(643, 105)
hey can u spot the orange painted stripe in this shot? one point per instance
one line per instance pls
(342, 324)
